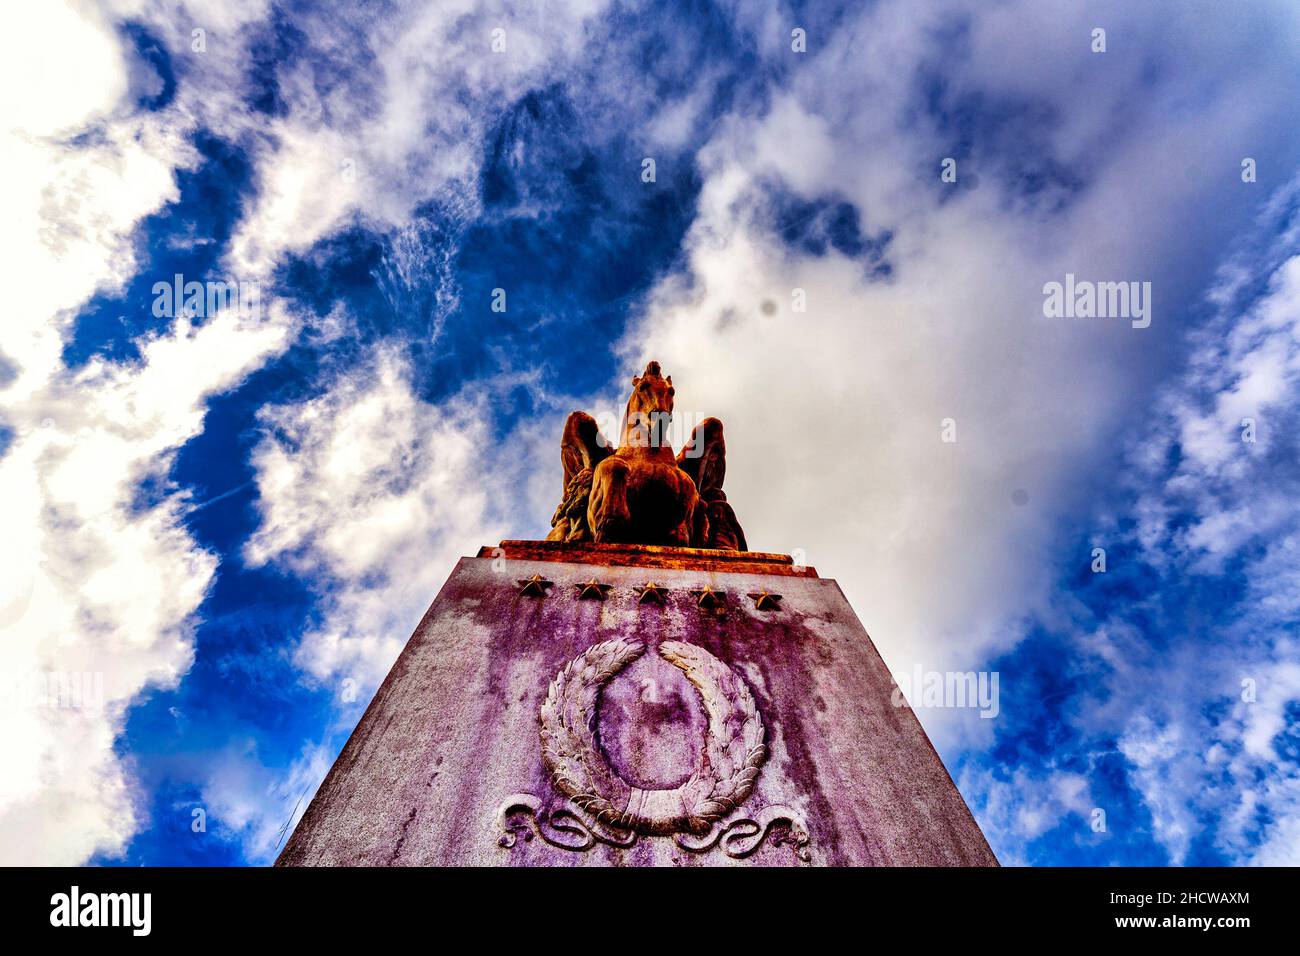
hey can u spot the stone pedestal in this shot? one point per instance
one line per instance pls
(551, 711)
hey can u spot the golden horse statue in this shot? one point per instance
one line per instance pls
(640, 493)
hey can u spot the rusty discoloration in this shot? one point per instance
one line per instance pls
(649, 556)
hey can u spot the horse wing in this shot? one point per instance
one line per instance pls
(582, 446)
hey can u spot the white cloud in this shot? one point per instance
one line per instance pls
(403, 122)
(373, 494)
(1239, 508)
(97, 583)
(841, 404)
(257, 806)
(833, 415)
(1020, 806)
(36, 97)
(1197, 691)
(92, 581)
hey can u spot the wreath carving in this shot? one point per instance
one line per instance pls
(728, 765)
(604, 807)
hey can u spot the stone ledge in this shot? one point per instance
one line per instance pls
(650, 556)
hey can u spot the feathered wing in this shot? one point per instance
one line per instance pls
(582, 448)
(704, 458)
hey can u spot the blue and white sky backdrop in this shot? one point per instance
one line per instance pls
(237, 518)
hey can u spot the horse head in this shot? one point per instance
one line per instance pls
(649, 410)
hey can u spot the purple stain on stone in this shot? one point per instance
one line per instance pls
(454, 730)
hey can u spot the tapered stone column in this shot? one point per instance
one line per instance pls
(586, 705)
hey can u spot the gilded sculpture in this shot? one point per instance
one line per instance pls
(640, 492)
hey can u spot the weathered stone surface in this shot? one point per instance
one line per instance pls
(454, 735)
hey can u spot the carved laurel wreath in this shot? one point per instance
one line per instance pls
(724, 776)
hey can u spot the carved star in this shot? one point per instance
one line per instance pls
(535, 586)
(767, 602)
(651, 593)
(592, 590)
(707, 597)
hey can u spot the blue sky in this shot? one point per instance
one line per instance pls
(237, 518)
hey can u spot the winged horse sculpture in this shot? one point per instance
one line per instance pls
(639, 492)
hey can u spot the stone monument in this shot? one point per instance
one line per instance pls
(638, 690)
